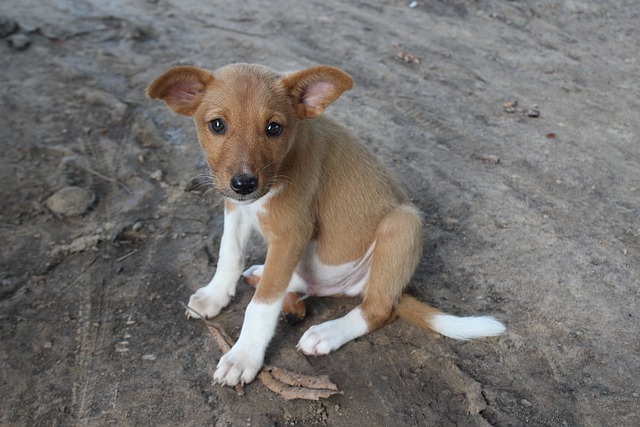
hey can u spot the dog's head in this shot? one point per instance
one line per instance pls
(247, 117)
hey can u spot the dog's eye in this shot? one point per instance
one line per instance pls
(216, 126)
(274, 129)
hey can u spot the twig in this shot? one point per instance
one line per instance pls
(220, 337)
(99, 175)
(123, 257)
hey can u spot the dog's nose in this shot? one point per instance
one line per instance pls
(244, 184)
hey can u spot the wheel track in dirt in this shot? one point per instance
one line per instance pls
(92, 302)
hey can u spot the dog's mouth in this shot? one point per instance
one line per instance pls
(244, 199)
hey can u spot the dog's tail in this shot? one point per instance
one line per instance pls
(424, 316)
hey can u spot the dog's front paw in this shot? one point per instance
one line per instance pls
(206, 303)
(238, 366)
(320, 340)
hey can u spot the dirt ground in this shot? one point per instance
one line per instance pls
(517, 135)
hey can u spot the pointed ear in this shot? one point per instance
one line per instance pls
(313, 89)
(181, 88)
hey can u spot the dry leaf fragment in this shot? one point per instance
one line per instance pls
(488, 158)
(406, 56)
(292, 392)
(299, 380)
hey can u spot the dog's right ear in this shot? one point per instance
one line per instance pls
(181, 88)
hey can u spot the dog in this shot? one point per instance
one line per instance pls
(334, 219)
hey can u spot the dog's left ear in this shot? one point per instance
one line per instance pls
(181, 88)
(313, 89)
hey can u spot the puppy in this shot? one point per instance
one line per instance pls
(334, 219)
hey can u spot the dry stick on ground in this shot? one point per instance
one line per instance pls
(289, 385)
(221, 339)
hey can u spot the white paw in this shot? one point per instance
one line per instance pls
(328, 336)
(320, 340)
(206, 302)
(239, 365)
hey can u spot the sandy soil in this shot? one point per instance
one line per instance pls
(517, 134)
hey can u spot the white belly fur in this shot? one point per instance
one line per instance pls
(348, 279)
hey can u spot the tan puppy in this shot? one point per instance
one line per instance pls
(335, 221)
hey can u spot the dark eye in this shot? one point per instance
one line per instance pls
(216, 126)
(274, 129)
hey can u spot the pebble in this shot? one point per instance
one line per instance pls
(7, 26)
(19, 41)
(70, 201)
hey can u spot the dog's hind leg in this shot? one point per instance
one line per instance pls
(398, 248)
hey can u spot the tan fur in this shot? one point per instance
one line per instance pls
(330, 188)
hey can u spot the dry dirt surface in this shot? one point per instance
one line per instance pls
(513, 125)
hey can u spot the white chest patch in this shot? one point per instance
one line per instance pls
(249, 211)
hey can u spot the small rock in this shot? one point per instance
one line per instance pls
(7, 26)
(70, 201)
(533, 112)
(149, 357)
(510, 107)
(19, 41)
(526, 403)
(157, 175)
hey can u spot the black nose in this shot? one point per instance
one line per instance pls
(244, 184)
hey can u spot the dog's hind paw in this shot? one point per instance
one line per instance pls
(251, 276)
(326, 337)
(318, 341)
(206, 303)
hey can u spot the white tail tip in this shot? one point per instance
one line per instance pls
(466, 328)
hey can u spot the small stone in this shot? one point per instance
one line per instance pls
(526, 403)
(510, 107)
(19, 41)
(47, 345)
(157, 175)
(70, 201)
(7, 26)
(634, 395)
(149, 357)
(533, 112)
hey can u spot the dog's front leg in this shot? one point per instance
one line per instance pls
(210, 299)
(244, 360)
